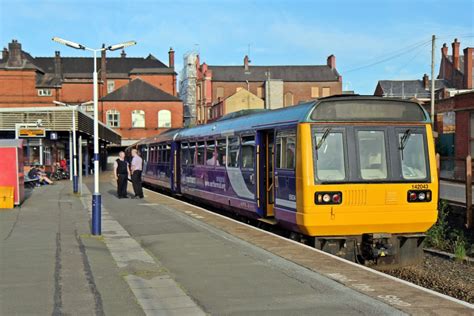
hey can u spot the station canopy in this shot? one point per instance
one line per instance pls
(56, 119)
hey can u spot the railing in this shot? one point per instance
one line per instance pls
(459, 170)
(452, 169)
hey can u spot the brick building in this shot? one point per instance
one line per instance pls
(27, 81)
(139, 109)
(455, 76)
(241, 100)
(278, 86)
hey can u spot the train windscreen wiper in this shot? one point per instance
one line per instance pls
(323, 139)
(404, 140)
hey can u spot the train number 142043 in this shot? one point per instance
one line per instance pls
(419, 186)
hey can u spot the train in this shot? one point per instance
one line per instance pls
(354, 176)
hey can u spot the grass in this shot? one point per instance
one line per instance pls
(443, 237)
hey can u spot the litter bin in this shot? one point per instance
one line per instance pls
(7, 198)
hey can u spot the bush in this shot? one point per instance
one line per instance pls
(436, 235)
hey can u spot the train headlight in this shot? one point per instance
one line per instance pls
(419, 196)
(328, 198)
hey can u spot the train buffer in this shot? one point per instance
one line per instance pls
(162, 256)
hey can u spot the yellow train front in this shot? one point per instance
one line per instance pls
(366, 179)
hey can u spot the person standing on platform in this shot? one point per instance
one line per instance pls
(121, 173)
(136, 166)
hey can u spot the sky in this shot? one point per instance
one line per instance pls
(372, 40)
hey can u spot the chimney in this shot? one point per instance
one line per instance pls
(123, 54)
(57, 64)
(14, 58)
(456, 53)
(171, 58)
(331, 61)
(426, 82)
(5, 54)
(444, 50)
(246, 63)
(468, 54)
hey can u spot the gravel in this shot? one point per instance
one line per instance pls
(446, 276)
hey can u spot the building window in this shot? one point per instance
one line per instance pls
(45, 92)
(113, 118)
(288, 99)
(138, 118)
(260, 92)
(110, 86)
(326, 92)
(315, 92)
(220, 92)
(164, 119)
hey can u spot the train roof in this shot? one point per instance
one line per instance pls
(344, 108)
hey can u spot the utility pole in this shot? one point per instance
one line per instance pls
(433, 38)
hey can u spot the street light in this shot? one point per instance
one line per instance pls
(74, 140)
(96, 198)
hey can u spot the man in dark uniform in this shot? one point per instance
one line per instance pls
(121, 173)
(136, 166)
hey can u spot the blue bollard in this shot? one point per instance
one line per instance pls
(75, 184)
(96, 215)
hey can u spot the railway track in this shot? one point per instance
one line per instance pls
(437, 272)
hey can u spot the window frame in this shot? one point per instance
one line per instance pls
(170, 118)
(277, 162)
(416, 130)
(112, 112)
(144, 118)
(239, 145)
(388, 158)
(334, 129)
(254, 160)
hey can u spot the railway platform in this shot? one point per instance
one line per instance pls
(163, 256)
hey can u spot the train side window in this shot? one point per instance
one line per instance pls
(210, 153)
(168, 153)
(286, 149)
(185, 154)
(221, 157)
(233, 150)
(192, 153)
(200, 153)
(248, 151)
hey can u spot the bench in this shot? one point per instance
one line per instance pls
(31, 182)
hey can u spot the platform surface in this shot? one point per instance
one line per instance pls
(161, 256)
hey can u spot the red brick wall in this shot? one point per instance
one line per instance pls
(163, 82)
(151, 117)
(461, 143)
(18, 89)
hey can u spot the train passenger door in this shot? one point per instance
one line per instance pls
(265, 153)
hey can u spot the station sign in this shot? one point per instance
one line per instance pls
(32, 132)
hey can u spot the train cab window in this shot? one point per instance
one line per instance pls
(329, 155)
(211, 155)
(372, 155)
(221, 157)
(200, 153)
(248, 151)
(233, 150)
(412, 155)
(286, 149)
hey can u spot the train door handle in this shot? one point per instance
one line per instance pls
(252, 179)
(276, 181)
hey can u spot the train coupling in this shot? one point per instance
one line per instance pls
(375, 246)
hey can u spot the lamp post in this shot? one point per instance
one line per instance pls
(74, 140)
(96, 228)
